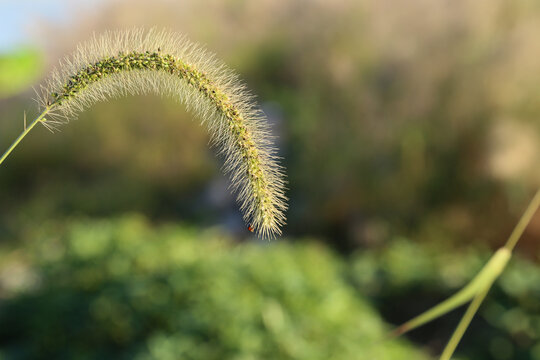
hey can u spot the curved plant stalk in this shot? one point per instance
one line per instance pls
(483, 279)
(477, 301)
(138, 61)
(523, 222)
(476, 289)
(464, 323)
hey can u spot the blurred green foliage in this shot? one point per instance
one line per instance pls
(123, 289)
(18, 70)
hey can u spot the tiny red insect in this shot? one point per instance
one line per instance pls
(250, 228)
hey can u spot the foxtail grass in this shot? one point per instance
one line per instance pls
(139, 62)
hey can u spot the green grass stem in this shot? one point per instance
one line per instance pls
(25, 132)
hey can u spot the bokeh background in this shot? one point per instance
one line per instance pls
(410, 134)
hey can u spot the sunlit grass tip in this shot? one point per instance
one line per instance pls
(138, 61)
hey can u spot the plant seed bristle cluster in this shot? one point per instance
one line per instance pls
(137, 62)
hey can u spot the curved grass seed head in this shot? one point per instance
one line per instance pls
(137, 62)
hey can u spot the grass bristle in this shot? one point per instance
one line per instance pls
(161, 62)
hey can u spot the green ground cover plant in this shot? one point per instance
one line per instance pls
(124, 289)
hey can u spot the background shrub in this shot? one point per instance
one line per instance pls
(123, 289)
